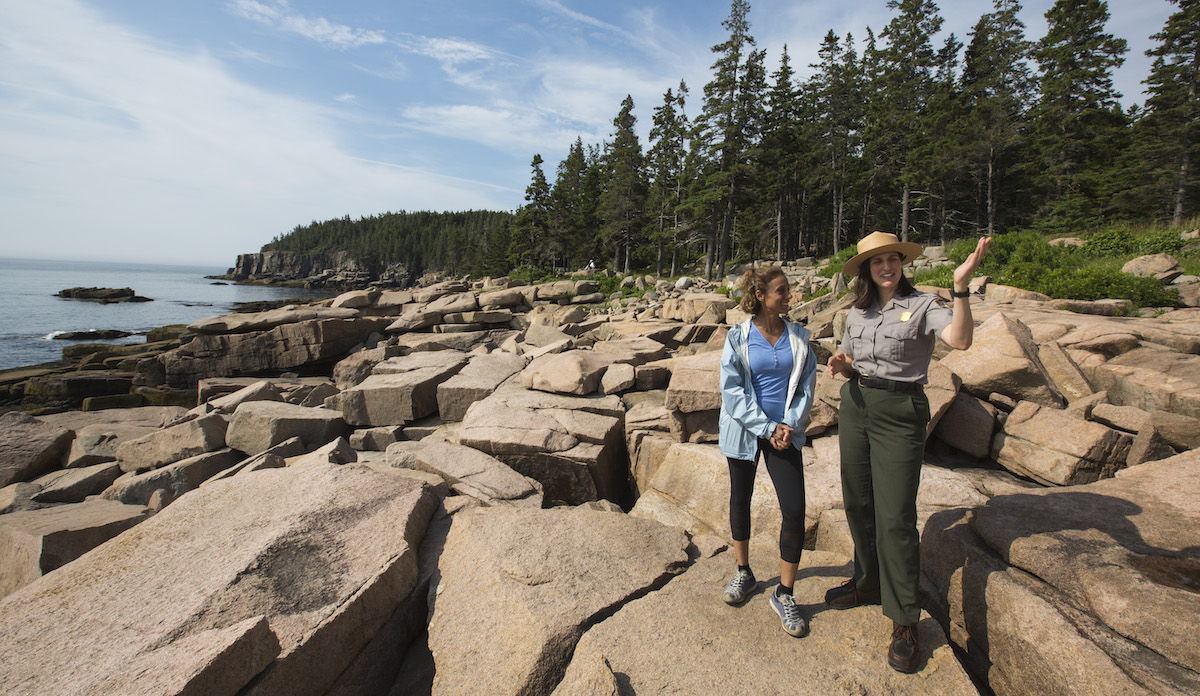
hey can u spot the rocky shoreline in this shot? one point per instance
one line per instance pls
(516, 489)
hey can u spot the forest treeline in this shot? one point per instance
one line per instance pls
(933, 142)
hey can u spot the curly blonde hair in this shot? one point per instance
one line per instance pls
(756, 280)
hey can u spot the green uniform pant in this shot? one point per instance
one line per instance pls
(882, 438)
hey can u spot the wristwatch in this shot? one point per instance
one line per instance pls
(955, 293)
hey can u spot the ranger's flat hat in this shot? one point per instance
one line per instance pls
(879, 243)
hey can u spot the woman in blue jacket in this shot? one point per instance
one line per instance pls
(768, 374)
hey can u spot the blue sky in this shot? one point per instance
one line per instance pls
(178, 131)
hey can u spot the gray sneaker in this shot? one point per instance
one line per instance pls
(789, 614)
(740, 587)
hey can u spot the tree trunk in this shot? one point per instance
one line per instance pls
(1181, 192)
(779, 230)
(991, 192)
(904, 212)
(712, 248)
(726, 229)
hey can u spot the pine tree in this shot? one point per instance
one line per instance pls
(782, 158)
(728, 126)
(999, 88)
(668, 150)
(1172, 120)
(623, 202)
(572, 210)
(1079, 124)
(532, 223)
(907, 85)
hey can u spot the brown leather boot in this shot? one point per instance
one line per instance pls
(848, 596)
(903, 653)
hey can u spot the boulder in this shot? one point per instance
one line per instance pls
(259, 425)
(376, 439)
(262, 390)
(1064, 374)
(1057, 449)
(941, 388)
(618, 378)
(1003, 358)
(35, 542)
(356, 367)
(29, 447)
(470, 472)
(548, 575)
(323, 554)
(572, 446)
(635, 351)
(968, 426)
(1160, 266)
(286, 347)
(691, 306)
(97, 443)
(337, 451)
(695, 383)
(400, 390)
(1126, 418)
(173, 479)
(75, 484)
(573, 372)
(1038, 587)
(187, 439)
(478, 378)
(264, 321)
(700, 644)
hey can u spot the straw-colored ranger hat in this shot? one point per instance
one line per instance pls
(878, 243)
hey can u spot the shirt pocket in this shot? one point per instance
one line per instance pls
(858, 341)
(902, 340)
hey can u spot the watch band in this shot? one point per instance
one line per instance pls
(955, 293)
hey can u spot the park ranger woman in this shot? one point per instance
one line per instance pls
(885, 352)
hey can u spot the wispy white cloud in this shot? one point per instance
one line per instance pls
(279, 15)
(122, 147)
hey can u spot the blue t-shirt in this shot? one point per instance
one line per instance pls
(770, 367)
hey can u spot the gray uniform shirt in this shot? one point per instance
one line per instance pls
(897, 342)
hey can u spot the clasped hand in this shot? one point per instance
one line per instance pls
(781, 439)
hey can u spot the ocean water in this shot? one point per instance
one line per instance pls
(30, 314)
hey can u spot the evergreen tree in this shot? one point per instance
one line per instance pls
(907, 86)
(526, 247)
(1172, 120)
(572, 210)
(836, 95)
(998, 87)
(666, 161)
(623, 201)
(782, 158)
(1079, 124)
(727, 128)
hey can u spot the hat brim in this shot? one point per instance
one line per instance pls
(909, 251)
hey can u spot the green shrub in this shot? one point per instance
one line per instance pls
(1113, 241)
(837, 261)
(1164, 241)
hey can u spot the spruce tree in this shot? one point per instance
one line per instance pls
(1172, 119)
(623, 201)
(668, 149)
(532, 222)
(1079, 124)
(998, 86)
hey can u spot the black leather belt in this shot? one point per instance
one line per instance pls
(888, 384)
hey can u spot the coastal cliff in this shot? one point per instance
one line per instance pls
(324, 269)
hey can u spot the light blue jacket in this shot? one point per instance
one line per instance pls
(742, 420)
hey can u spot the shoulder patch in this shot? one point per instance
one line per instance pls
(941, 302)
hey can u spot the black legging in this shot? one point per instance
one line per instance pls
(787, 473)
